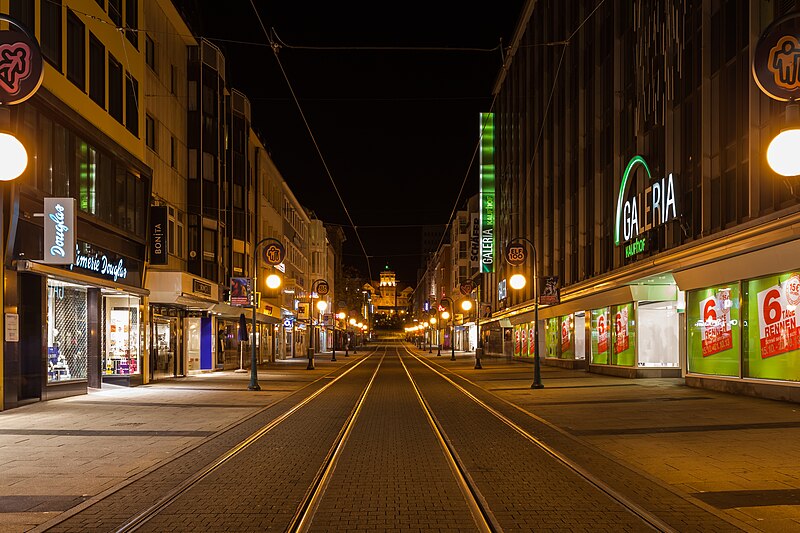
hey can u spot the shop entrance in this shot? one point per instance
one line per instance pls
(164, 358)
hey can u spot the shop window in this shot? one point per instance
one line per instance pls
(713, 330)
(76, 51)
(771, 347)
(658, 334)
(601, 336)
(120, 335)
(67, 341)
(97, 71)
(50, 32)
(624, 335)
(552, 337)
(115, 88)
(567, 337)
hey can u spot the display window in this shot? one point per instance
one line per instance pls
(658, 334)
(771, 331)
(713, 330)
(567, 336)
(552, 336)
(531, 339)
(601, 336)
(517, 341)
(121, 320)
(624, 338)
(523, 334)
(67, 342)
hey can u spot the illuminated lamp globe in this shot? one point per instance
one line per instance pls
(783, 153)
(341, 316)
(273, 281)
(433, 320)
(517, 281)
(352, 321)
(466, 305)
(445, 315)
(13, 157)
(360, 325)
(322, 305)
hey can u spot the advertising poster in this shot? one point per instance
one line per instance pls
(713, 330)
(517, 347)
(567, 337)
(523, 336)
(531, 339)
(600, 336)
(773, 348)
(240, 291)
(552, 337)
(624, 345)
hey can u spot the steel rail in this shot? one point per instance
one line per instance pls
(301, 521)
(483, 516)
(646, 516)
(146, 515)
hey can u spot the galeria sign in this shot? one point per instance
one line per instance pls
(640, 212)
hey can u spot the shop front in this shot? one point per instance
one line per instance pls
(178, 303)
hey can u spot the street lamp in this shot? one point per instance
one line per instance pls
(321, 286)
(466, 305)
(13, 156)
(445, 315)
(436, 331)
(274, 254)
(783, 155)
(343, 317)
(516, 255)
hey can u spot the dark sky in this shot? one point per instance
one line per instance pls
(397, 129)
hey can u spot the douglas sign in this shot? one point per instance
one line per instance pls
(640, 212)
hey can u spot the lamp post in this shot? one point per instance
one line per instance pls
(355, 344)
(274, 254)
(343, 317)
(321, 286)
(435, 333)
(516, 255)
(466, 305)
(322, 305)
(451, 315)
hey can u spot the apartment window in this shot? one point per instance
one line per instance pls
(238, 263)
(179, 232)
(115, 11)
(150, 52)
(132, 22)
(150, 132)
(209, 243)
(173, 79)
(50, 35)
(132, 104)
(23, 11)
(97, 71)
(173, 152)
(76, 51)
(101, 3)
(114, 88)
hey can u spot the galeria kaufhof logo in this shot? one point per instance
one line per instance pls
(643, 211)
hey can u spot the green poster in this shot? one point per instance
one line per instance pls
(772, 335)
(713, 330)
(624, 339)
(552, 337)
(601, 336)
(567, 337)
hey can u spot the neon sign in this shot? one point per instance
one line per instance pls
(487, 192)
(645, 210)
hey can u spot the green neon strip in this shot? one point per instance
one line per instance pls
(623, 187)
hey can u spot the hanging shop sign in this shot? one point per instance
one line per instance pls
(201, 287)
(59, 231)
(551, 294)
(21, 71)
(641, 212)
(240, 291)
(159, 243)
(274, 252)
(776, 61)
(487, 187)
(475, 242)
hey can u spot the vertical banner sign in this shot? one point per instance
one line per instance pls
(487, 192)
(517, 341)
(59, 231)
(158, 235)
(621, 326)
(777, 318)
(532, 340)
(551, 294)
(475, 245)
(602, 334)
(715, 332)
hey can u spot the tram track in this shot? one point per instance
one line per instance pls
(647, 518)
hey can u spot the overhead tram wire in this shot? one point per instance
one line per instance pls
(386, 48)
(275, 48)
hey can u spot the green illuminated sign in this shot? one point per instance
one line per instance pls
(487, 192)
(643, 211)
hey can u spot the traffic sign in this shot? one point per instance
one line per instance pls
(274, 253)
(323, 287)
(466, 287)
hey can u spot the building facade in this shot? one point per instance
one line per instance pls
(633, 160)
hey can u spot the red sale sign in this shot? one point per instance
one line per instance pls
(716, 335)
(777, 318)
(602, 334)
(517, 347)
(621, 327)
(565, 335)
(531, 340)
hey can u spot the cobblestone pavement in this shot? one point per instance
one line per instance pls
(698, 460)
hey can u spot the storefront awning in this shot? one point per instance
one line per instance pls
(232, 312)
(24, 265)
(181, 288)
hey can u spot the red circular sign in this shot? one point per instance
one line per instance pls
(21, 70)
(466, 287)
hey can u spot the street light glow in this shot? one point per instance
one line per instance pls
(466, 305)
(322, 305)
(445, 315)
(273, 281)
(352, 321)
(783, 153)
(13, 156)
(341, 316)
(517, 281)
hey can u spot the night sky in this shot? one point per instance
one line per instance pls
(397, 128)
